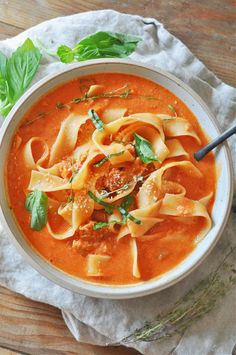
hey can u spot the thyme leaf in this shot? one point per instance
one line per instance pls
(194, 305)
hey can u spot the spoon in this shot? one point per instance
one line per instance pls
(221, 138)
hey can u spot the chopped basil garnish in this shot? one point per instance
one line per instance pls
(96, 120)
(102, 161)
(127, 202)
(100, 225)
(37, 203)
(123, 208)
(144, 149)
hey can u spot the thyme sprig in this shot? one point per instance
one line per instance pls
(122, 92)
(109, 94)
(194, 305)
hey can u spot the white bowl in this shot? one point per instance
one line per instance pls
(207, 121)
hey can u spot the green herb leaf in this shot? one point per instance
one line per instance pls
(125, 205)
(65, 54)
(96, 120)
(100, 225)
(133, 219)
(16, 74)
(102, 161)
(37, 203)
(3, 65)
(99, 45)
(127, 202)
(22, 67)
(109, 208)
(144, 149)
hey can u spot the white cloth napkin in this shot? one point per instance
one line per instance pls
(100, 321)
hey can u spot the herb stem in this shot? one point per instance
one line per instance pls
(195, 304)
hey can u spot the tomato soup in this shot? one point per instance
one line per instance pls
(103, 183)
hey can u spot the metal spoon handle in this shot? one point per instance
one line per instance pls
(221, 138)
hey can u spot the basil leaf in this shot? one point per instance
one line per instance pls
(103, 160)
(109, 208)
(16, 73)
(4, 91)
(133, 219)
(21, 68)
(144, 149)
(37, 203)
(106, 45)
(65, 54)
(96, 120)
(99, 45)
(127, 202)
(3, 65)
(125, 205)
(100, 225)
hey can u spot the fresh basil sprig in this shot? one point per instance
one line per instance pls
(103, 160)
(37, 203)
(123, 208)
(16, 73)
(144, 149)
(99, 45)
(96, 120)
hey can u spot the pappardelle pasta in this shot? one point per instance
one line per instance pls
(104, 185)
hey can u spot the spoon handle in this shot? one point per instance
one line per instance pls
(221, 138)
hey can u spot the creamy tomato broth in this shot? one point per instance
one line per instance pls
(102, 180)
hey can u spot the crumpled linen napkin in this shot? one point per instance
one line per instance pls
(100, 321)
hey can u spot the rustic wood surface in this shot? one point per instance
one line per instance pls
(208, 28)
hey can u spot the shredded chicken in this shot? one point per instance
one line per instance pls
(88, 240)
(117, 177)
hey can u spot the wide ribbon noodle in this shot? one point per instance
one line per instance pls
(72, 167)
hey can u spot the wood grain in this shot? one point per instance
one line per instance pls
(208, 28)
(36, 328)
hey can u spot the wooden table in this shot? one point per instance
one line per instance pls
(208, 28)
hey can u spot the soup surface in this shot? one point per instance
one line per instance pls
(103, 183)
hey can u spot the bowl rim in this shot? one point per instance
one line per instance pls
(113, 291)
